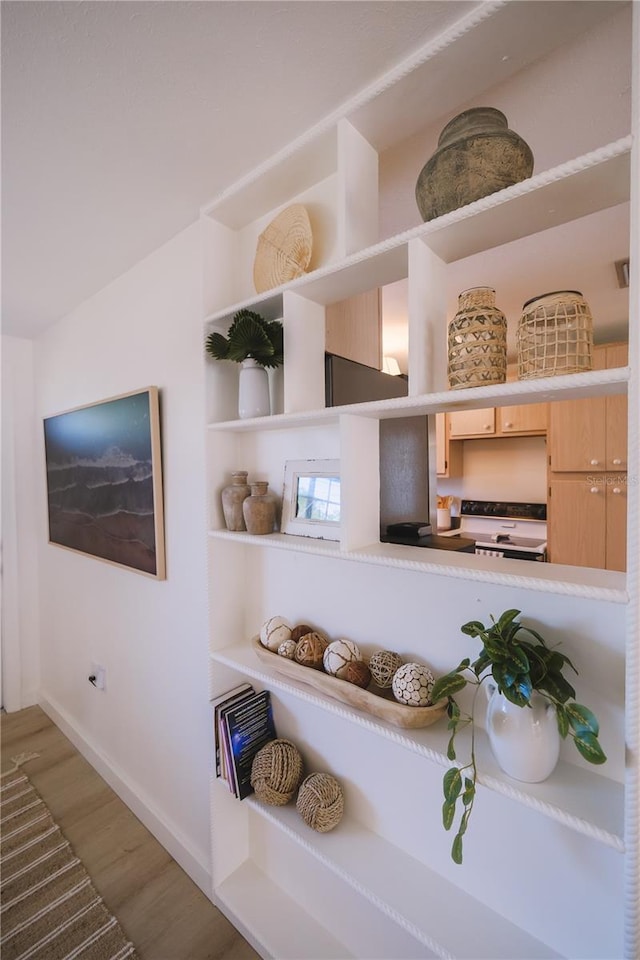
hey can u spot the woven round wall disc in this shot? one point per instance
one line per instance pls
(284, 249)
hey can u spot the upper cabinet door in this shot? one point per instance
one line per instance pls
(577, 428)
(530, 418)
(472, 423)
(616, 440)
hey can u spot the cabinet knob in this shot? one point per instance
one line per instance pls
(508, 424)
(616, 490)
(487, 426)
(594, 463)
(617, 461)
(594, 490)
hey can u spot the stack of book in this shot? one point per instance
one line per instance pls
(243, 723)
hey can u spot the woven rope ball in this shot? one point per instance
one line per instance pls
(310, 650)
(320, 802)
(383, 664)
(276, 772)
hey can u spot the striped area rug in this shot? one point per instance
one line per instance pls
(49, 907)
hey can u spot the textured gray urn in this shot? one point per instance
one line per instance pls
(477, 155)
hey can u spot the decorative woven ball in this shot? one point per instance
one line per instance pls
(412, 684)
(287, 649)
(274, 631)
(310, 650)
(358, 672)
(338, 655)
(320, 802)
(383, 664)
(276, 772)
(300, 630)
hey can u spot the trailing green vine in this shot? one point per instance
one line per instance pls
(520, 662)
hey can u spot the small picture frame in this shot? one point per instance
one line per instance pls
(311, 500)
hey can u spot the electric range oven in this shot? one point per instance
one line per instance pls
(505, 529)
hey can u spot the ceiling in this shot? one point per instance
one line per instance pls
(121, 119)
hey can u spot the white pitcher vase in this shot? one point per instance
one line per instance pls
(525, 740)
(253, 390)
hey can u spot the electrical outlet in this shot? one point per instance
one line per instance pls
(98, 676)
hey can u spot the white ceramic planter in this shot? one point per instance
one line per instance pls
(253, 390)
(525, 740)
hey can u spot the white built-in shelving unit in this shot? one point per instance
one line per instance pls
(550, 869)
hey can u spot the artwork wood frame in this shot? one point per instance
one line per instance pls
(104, 481)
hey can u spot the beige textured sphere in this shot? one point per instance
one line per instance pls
(287, 649)
(320, 802)
(412, 684)
(274, 632)
(338, 655)
(383, 664)
(310, 650)
(276, 771)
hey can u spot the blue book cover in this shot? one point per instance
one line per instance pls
(249, 726)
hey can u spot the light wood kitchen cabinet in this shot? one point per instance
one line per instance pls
(472, 423)
(616, 523)
(448, 451)
(587, 521)
(587, 512)
(591, 435)
(526, 419)
(522, 420)
(354, 328)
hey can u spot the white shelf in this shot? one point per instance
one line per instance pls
(274, 867)
(256, 906)
(282, 541)
(400, 103)
(584, 582)
(582, 800)
(572, 386)
(416, 898)
(593, 182)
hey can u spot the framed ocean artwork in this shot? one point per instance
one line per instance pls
(104, 481)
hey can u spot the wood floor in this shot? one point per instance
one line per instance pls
(160, 909)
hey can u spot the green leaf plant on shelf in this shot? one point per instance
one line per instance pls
(254, 343)
(250, 337)
(531, 706)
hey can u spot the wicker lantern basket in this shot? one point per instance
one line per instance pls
(555, 335)
(477, 341)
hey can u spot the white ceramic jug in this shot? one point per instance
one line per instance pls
(253, 392)
(525, 740)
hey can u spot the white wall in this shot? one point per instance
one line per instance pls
(148, 733)
(510, 468)
(19, 528)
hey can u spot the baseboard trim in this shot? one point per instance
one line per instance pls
(130, 793)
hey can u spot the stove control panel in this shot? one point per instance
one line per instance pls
(503, 510)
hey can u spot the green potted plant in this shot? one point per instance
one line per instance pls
(525, 674)
(254, 343)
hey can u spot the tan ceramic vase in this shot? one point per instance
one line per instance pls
(232, 499)
(260, 509)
